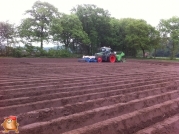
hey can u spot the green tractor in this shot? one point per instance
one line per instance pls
(106, 55)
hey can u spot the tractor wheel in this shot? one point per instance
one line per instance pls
(99, 60)
(112, 58)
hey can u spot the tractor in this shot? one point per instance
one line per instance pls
(105, 54)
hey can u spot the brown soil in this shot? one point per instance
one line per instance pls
(54, 96)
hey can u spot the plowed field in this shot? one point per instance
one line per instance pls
(55, 96)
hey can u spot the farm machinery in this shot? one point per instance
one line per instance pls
(104, 55)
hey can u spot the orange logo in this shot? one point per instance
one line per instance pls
(10, 124)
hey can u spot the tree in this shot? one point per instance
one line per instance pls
(155, 40)
(169, 31)
(95, 22)
(138, 35)
(7, 35)
(69, 31)
(36, 27)
(118, 33)
(115, 33)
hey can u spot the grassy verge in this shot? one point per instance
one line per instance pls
(157, 59)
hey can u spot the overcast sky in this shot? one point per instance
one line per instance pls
(150, 10)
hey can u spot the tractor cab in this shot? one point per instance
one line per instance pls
(105, 49)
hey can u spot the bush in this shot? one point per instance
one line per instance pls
(30, 50)
(18, 52)
(59, 53)
(40, 52)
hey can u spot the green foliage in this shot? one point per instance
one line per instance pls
(7, 33)
(155, 41)
(115, 33)
(95, 22)
(85, 30)
(139, 35)
(41, 52)
(68, 30)
(29, 50)
(119, 34)
(35, 51)
(60, 53)
(36, 27)
(7, 36)
(169, 30)
(19, 52)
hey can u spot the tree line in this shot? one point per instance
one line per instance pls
(85, 30)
